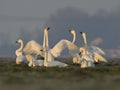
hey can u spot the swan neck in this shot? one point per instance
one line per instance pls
(85, 42)
(44, 39)
(74, 37)
(19, 50)
(85, 39)
(21, 46)
(47, 41)
(46, 47)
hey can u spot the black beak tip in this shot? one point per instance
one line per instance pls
(48, 28)
(81, 32)
(16, 41)
(69, 30)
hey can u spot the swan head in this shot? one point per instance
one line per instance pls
(47, 28)
(82, 50)
(83, 33)
(72, 31)
(19, 41)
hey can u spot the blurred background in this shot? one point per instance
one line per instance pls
(26, 19)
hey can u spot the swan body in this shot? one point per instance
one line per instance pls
(34, 63)
(20, 59)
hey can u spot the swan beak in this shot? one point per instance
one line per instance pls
(16, 41)
(48, 28)
(81, 32)
(69, 30)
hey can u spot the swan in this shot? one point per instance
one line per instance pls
(49, 54)
(75, 55)
(24, 53)
(93, 50)
(19, 53)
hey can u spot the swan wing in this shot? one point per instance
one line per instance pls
(97, 57)
(58, 48)
(98, 50)
(73, 49)
(62, 45)
(32, 47)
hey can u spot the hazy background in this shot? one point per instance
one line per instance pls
(26, 19)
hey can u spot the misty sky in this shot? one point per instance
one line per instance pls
(26, 19)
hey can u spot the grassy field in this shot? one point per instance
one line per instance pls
(21, 77)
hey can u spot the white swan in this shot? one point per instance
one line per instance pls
(24, 53)
(75, 55)
(49, 54)
(19, 53)
(93, 50)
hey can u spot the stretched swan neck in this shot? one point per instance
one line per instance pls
(45, 39)
(85, 41)
(74, 35)
(84, 38)
(46, 46)
(21, 45)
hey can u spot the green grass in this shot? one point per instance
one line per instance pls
(21, 77)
